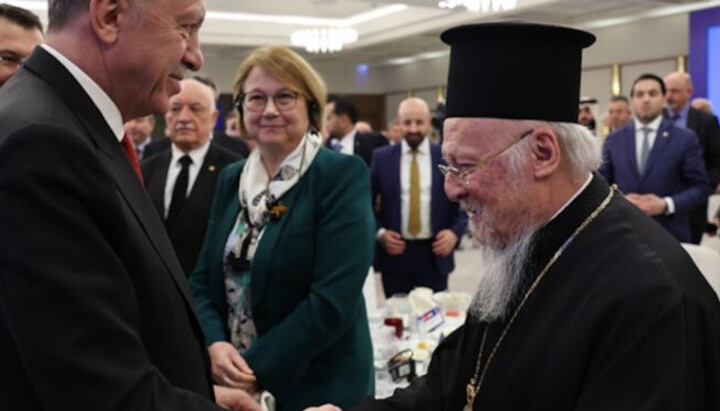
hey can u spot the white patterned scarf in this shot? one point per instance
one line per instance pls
(259, 195)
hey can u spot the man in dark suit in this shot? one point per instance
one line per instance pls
(679, 91)
(140, 131)
(339, 118)
(181, 181)
(95, 312)
(418, 227)
(20, 32)
(657, 164)
(234, 145)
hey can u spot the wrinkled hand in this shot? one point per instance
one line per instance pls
(235, 399)
(445, 242)
(392, 242)
(229, 368)
(650, 204)
(326, 407)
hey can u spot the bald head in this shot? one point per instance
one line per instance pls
(702, 104)
(414, 119)
(679, 90)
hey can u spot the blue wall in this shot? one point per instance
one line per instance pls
(705, 54)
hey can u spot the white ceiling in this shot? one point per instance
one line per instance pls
(233, 27)
(412, 31)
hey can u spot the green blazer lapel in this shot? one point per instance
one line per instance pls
(262, 262)
(226, 223)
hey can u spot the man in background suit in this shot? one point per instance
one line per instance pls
(679, 90)
(235, 145)
(140, 131)
(418, 227)
(181, 181)
(20, 32)
(657, 164)
(95, 312)
(339, 118)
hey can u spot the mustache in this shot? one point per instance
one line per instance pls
(181, 125)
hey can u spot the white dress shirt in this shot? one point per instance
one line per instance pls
(102, 101)
(197, 156)
(424, 160)
(654, 126)
(348, 143)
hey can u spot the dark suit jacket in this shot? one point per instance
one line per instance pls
(234, 145)
(708, 132)
(365, 144)
(385, 182)
(306, 284)
(95, 312)
(189, 232)
(674, 169)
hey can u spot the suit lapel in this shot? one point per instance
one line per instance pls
(437, 188)
(692, 119)
(394, 178)
(358, 149)
(111, 154)
(266, 248)
(661, 140)
(156, 185)
(628, 148)
(208, 171)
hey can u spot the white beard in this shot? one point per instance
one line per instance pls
(502, 272)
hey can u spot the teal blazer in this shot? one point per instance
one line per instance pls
(307, 275)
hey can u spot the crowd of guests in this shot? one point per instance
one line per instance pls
(226, 268)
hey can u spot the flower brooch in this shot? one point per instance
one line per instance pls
(277, 210)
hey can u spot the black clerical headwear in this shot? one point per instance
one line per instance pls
(515, 70)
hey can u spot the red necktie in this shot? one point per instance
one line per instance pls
(129, 148)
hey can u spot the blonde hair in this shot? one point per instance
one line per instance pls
(285, 65)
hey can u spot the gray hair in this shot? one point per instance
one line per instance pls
(580, 147)
(62, 12)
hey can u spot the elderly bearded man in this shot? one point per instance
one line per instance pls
(584, 302)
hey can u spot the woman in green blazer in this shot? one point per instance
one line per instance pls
(278, 284)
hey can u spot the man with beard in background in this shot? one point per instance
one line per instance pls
(418, 228)
(584, 302)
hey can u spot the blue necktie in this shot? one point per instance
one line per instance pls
(335, 144)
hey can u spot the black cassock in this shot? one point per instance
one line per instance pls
(623, 320)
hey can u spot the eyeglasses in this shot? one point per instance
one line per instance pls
(11, 60)
(464, 173)
(284, 101)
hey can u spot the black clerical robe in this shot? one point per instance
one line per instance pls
(622, 321)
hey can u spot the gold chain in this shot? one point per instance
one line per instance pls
(473, 388)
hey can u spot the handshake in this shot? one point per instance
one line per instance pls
(235, 384)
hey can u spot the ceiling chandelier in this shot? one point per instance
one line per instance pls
(477, 6)
(324, 39)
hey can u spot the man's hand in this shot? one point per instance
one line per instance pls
(650, 204)
(235, 399)
(229, 368)
(392, 242)
(326, 407)
(445, 242)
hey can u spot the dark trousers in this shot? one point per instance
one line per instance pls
(698, 220)
(416, 267)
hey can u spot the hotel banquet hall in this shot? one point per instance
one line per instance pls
(377, 53)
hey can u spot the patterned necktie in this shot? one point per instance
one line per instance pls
(179, 193)
(129, 148)
(414, 218)
(644, 150)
